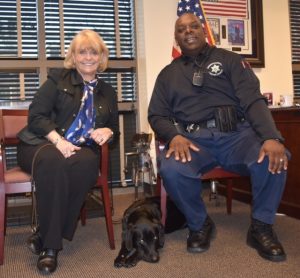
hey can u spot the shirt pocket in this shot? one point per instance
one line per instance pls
(65, 101)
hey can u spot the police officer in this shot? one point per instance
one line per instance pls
(207, 106)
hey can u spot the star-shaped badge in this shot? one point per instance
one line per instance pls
(215, 68)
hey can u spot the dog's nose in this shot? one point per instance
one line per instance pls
(154, 258)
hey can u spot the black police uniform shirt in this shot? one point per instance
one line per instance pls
(227, 80)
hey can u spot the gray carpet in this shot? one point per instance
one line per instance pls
(88, 255)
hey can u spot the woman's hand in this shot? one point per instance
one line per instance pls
(66, 148)
(101, 135)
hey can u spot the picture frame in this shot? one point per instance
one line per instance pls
(257, 58)
(241, 34)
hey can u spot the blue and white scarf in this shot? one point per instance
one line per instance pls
(81, 128)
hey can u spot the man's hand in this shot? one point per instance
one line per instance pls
(180, 147)
(278, 160)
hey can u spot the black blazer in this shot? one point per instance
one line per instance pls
(57, 103)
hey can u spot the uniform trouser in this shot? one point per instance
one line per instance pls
(235, 151)
(61, 188)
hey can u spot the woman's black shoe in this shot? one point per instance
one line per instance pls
(34, 243)
(47, 261)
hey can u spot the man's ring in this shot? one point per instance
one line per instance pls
(281, 159)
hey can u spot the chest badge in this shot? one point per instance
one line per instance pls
(215, 68)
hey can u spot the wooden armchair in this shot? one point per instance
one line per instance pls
(215, 174)
(14, 180)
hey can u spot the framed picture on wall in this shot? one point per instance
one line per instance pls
(214, 24)
(236, 32)
(237, 25)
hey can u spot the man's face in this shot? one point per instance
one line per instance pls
(189, 34)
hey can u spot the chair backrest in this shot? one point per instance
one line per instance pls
(13, 180)
(11, 122)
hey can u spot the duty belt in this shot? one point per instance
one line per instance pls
(212, 123)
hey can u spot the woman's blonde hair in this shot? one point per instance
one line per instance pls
(91, 40)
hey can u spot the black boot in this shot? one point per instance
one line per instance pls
(34, 243)
(199, 241)
(262, 237)
(47, 261)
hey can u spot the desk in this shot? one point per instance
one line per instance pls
(288, 122)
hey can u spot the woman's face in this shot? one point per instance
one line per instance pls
(86, 62)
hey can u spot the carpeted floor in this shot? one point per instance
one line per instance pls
(88, 255)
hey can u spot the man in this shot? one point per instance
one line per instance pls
(207, 107)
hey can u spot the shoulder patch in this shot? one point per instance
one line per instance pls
(245, 64)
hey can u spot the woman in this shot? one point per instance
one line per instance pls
(72, 113)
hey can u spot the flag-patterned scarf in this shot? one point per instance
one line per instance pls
(80, 129)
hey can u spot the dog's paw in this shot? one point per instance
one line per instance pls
(130, 263)
(132, 259)
(118, 264)
(119, 261)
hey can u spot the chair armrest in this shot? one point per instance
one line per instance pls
(1, 167)
(104, 156)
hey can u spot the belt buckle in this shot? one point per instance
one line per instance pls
(192, 128)
(189, 128)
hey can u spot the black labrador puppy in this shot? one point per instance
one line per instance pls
(143, 232)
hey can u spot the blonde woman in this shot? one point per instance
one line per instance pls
(72, 113)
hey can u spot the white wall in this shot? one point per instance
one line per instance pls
(276, 77)
(155, 28)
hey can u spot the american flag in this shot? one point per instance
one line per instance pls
(193, 6)
(227, 8)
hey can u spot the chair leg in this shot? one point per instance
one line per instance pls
(2, 223)
(163, 203)
(158, 186)
(108, 216)
(83, 215)
(5, 216)
(160, 191)
(229, 196)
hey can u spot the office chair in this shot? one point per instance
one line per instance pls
(15, 181)
(218, 173)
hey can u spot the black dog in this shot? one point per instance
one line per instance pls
(142, 233)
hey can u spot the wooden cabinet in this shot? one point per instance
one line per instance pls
(288, 122)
